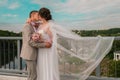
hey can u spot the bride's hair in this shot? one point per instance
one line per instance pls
(45, 13)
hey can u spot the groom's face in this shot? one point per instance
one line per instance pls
(36, 17)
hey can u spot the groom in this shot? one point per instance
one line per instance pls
(29, 52)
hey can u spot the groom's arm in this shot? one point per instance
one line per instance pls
(36, 44)
(39, 45)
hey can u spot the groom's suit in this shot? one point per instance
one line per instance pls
(28, 52)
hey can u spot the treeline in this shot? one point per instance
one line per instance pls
(109, 32)
(5, 33)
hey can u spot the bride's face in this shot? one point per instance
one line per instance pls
(41, 19)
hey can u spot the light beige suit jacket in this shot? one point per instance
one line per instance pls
(29, 52)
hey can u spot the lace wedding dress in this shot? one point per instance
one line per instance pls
(46, 66)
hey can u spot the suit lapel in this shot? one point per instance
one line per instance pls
(32, 29)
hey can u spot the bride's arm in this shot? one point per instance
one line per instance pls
(50, 34)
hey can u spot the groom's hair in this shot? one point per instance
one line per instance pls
(32, 13)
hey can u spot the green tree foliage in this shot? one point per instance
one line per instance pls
(109, 32)
(110, 68)
(4, 33)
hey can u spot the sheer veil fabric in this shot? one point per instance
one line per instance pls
(77, 56)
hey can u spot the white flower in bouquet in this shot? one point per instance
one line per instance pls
(35, 36)
(40, 32)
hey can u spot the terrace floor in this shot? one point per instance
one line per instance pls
(5, 77)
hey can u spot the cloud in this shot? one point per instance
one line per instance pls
(9, 5)
(104, 22)
(12, 27)
(14, 5)
(85, 14)
(3, 2)
(77, 5)
(9, 15)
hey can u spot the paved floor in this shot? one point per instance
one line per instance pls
(2, 77)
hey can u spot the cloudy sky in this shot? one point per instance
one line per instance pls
(73, 14)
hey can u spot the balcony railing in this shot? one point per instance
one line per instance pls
(12, 64)
(10, 61)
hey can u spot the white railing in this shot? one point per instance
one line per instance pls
(10, 61)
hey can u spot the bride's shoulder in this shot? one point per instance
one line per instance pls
(52, 23)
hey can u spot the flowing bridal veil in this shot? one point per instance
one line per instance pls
(78, 56)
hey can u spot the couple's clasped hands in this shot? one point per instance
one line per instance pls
(36, 37)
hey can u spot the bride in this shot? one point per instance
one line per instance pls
(46, 66)
(85, 53)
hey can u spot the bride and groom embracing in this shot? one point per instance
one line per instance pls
(45, 43)
(38, 47)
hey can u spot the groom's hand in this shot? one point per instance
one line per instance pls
(48, 45)
(28, 20)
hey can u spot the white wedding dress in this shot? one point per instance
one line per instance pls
(46, 66)
(84, 54)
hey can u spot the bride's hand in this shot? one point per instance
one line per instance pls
(48, 45)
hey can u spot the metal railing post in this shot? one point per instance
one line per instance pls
(18, 53)
(97, 71)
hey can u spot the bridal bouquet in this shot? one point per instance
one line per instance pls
(36, 40)
(36, 37)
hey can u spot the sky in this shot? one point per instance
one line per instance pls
(72, 14)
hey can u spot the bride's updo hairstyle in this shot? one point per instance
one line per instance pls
(45, 13)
